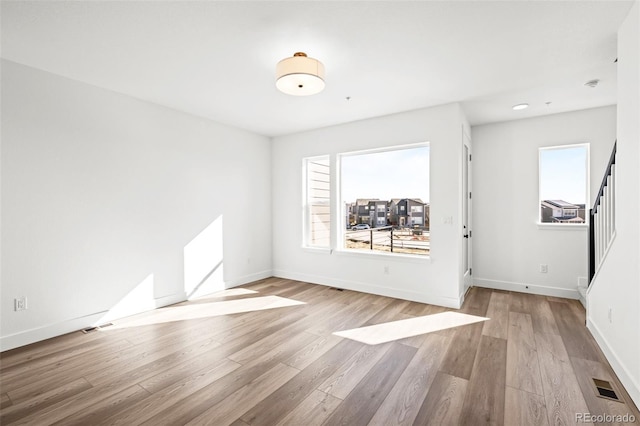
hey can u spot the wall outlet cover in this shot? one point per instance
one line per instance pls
(20, 303)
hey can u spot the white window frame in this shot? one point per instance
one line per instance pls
(339, 233)
(556, 225)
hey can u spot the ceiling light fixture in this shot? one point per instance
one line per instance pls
(520, 106)
(300, 75)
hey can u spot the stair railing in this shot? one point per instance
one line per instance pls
(602, 217)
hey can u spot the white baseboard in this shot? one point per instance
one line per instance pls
(48, 331)
(582, 295)
(34, 335)
(630, 384)
(171, 299)
(249, 278)
(527, 288)
(449, 302)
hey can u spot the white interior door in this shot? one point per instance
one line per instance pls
(466, 213)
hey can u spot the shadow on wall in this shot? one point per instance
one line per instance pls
(203, 274)
(203, 262)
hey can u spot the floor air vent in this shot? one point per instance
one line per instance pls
(96, 328)
(605, 390)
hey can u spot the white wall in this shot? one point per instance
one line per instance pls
(435, 280)
(616, 286)
(102, 193)
(508, 245)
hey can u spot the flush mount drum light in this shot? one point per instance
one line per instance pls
(300, 75)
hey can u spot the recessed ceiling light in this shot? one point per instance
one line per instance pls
(520, 106)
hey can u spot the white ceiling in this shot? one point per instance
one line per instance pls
(217, 59)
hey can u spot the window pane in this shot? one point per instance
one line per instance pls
(563, 184)
(317, 203)
(385, 195)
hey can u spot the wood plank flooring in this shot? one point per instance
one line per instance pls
(530, 364)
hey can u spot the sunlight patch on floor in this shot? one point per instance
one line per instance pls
(206, 310)
(395, 330)
(230, 292)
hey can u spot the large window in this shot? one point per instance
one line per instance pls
(564, 181)
(391, 187)
(317, 209)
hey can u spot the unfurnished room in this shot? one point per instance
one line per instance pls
(320, 212)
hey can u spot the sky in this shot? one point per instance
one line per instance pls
(385, 175)
(563, 174)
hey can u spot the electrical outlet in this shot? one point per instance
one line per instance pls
(610, 315)
(386, 270)
(543, 268)
(20, 303)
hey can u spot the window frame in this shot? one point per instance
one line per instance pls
(565, 225)
(340, 229)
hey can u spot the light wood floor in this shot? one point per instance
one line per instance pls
(531, 364)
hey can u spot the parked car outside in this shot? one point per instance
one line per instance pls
(360, 226)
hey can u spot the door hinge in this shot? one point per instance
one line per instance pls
(470, 271)
(469, 195)
(469, 157)
(469, 234)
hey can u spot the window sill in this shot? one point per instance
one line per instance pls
(563, 226)
(318, 250)
(371, 254)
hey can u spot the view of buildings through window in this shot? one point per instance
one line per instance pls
(564, 184)
(385, 200)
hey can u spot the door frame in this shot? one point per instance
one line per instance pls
(467, 204)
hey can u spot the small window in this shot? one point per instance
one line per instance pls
(317, 209)
(401, 208)
(563, 188)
